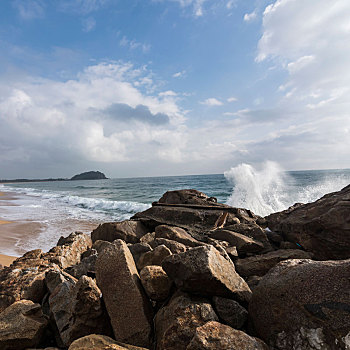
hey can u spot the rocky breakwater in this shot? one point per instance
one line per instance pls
(189, 273)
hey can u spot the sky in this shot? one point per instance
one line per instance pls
(172, 87)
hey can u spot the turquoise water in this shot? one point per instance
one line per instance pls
(262, 190)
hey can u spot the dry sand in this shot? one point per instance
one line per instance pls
(6, 260)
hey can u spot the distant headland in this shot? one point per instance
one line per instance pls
(88, 175)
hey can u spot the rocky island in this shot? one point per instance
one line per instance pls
(188, 274)
(90, 175)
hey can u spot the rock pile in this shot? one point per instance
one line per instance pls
(188, 274)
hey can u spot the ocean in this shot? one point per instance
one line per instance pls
(54, 204)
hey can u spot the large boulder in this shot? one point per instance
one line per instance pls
(154, 257)
(100, 342)
(176, 323)
(129, 231)
(216, 336)
(304, 304)
(187, 197)
(259, 265)
(21, 325)
(78, 310)
(156, 282)
(202, 270)
(175, 247)
(176, 234)
(127, 304)
(321, 227)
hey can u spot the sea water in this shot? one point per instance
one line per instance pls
(52, 204)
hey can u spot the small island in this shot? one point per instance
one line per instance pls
(90, 175)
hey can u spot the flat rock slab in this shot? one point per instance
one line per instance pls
(21, 325)
(259, 265)
(204, 271)
(216, 336)
(177, 234)
(127, 304)
(304, 304)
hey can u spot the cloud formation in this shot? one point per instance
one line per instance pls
(212, 102)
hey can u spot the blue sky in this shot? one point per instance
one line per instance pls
(167, 87)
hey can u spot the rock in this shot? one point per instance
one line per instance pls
(77, 309)
(138, 249)
(176, 234)
(259, 265)
(99, 245)
(187, 197)
(21, 325)
(242, 243)
(88, 253)
(175, 247)
(308, 305)
(148, 238)
(175, 323)
(100, 342)
(231, 312)
(24, 279)
(68, 250)
(321, 227)
(129, 231)
(202, 270)
(127, 304)
(154, 257)
(274, 237)
(232, 252)
(253, 282)
(156, 282)
(216, 336)
(55, 276)
(289, 245)
(85, 267)
(90, 175)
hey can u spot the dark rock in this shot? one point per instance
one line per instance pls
(216, 336)
(304, 304)
(202, 270)
(243, 244)
(154, 257)
(77, 309)
(100, 342)
(90, 175)
(321, 227)
(156, 282)
(21, 325)
(253, 282)
(138, 249)
(148, 238)
(175, 247)
(289, 245)
(88, 253)
(85, 267)
(176, 234)
(127, 304)
(231, 312)
(274, 237)
(186, 197)
(55, 276)
(129, 231)
(99, 245)
(176, 323)
(259, 265)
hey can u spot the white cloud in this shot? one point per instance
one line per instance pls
(249, 17)
(88, 24)
(133, 44)
(211, 102)
(29, 9)
(230, 4)
(232, 99)
(196, 5)
(179, 74)
(82, 7)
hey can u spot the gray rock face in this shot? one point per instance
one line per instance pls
(216, 336)
(176, 234)
(259, 265)
(129, 230)
(21, 325)
(243, 243)
(176, 323)
(154, 257)
(321, 227)
(156, 282)
(304, 304)
(204, 271)
(77, 309)
(231, 312)
(127, 304)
